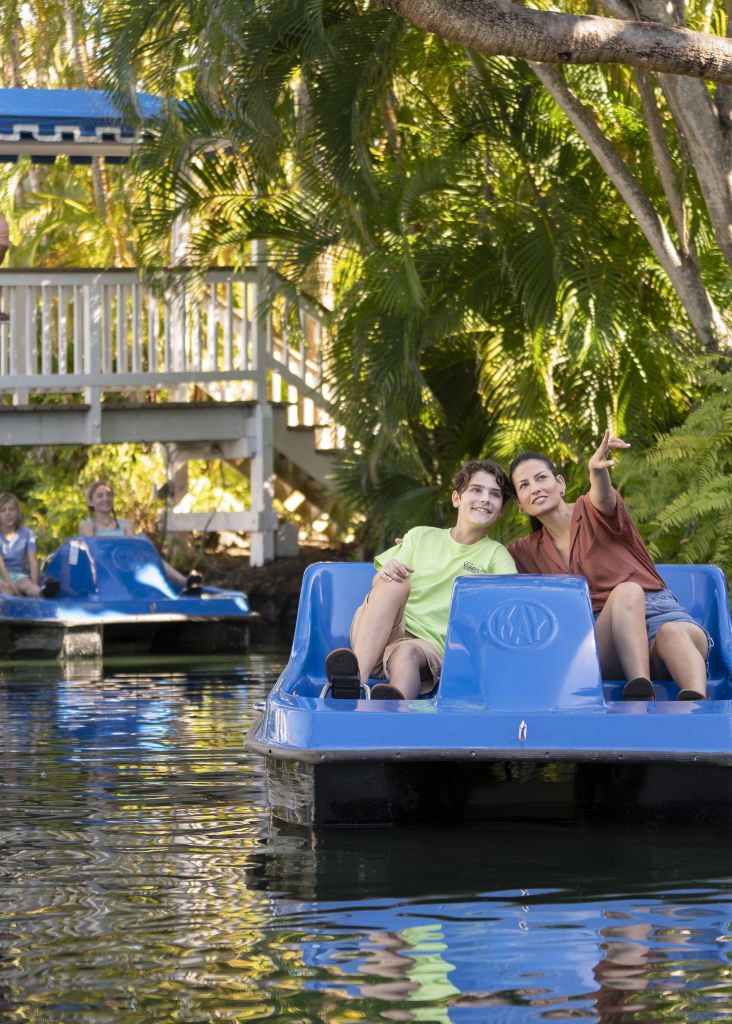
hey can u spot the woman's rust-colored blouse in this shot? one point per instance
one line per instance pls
(606, 550)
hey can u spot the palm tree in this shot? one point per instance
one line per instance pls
(489, 289)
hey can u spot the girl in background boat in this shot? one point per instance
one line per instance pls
(642, 630)
(19, 566)
(103, 521)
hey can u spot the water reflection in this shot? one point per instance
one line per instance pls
(142, 881)
(513, 923)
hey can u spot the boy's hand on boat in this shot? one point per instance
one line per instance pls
(601, 459)
(395, 570)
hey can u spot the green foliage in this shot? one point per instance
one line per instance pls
(490, 290)
(51, 483)
(56, 221)
(680, 490)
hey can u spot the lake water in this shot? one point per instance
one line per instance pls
(142, 881)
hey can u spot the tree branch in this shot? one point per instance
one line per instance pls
(550, 37)
(684, 276)
(697, 119)
(664, 163)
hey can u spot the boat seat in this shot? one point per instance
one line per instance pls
(332, 591)
(702, 591)
(73, 568)
(109, 568)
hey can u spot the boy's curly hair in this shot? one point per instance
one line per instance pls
(468, 470)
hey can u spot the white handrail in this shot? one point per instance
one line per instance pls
(77, 329)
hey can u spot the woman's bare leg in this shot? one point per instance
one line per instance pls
(384, 607)
(679, 652)
(622, 641)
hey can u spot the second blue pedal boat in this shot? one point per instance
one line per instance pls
(115, 599)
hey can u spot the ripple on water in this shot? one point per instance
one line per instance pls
(142, 881)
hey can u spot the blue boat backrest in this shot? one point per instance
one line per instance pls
(521, 642)
(72, 567)
(331, 592)
(109, 569)
(536, 632)
(702, 591)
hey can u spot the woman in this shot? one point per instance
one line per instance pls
(642, 631)
(104, 522)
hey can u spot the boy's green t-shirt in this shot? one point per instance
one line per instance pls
(437, 559)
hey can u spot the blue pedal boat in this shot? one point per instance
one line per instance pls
(115, 599)
(522, 723)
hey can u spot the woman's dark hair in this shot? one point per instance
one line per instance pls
(468, 470)
(530, 457)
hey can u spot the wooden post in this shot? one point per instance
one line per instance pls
(20, 328)
(262, 463)
(92, 357)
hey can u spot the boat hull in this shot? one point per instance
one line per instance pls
(379, 792)
(52, 640)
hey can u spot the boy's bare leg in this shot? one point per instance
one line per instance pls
(680, 651)
(406, 663)
(622, 641)
(384, 607)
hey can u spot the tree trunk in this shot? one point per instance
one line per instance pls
(550, 37)
(684, 274)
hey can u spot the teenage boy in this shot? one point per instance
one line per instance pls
(399, 631)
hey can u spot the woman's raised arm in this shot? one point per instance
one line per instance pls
(602, 495)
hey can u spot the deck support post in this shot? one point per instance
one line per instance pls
(262, 487)
(93, 358)
(262, 465)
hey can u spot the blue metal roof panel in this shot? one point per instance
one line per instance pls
(53, 110)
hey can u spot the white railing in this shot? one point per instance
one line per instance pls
(99, 331)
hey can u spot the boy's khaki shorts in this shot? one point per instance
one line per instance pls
(400, 635)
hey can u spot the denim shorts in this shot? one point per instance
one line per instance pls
(662, 606)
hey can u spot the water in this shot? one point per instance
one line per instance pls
(142, 881)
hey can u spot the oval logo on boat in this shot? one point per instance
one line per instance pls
(517, 624)
(128, 557)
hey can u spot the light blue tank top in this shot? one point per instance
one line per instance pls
(112, 531)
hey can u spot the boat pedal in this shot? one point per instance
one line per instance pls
(345, 688)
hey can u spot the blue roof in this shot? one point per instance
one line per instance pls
(45, 123)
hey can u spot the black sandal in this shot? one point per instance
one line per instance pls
(342, 673)
(50, 587)
(385, 691)
(639, 688)
(194, 584)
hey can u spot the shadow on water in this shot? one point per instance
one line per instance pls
(142, 881)
(602, 860)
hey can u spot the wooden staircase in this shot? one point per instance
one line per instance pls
(227, 367)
